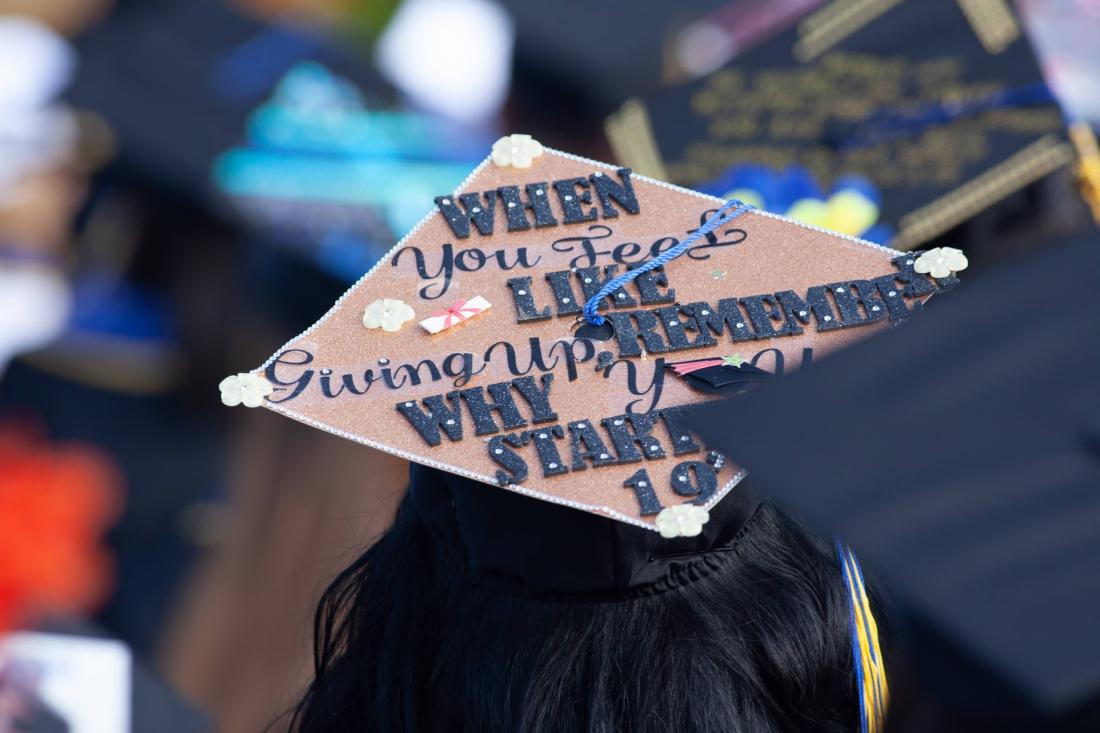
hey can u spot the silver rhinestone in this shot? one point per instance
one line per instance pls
(581, 425)
(588, 279)
(408, 404)
(740, 325)
(604, 456)
(682, 478)
(565, 300)
(498, 451)
(476, 210)
(654, 448)
(620, 296)
(705, 313)
(450, 422)
(540, 192)
(642, 483)
(446, 202)
(511, 204)
(840, 290)
(542, 436)
(521, 292)
(598, 174)
(892, 293)
(909, 262)
(828, 318)
(618, 422)
(672, 323)
(568, 198)
(802, 314)
(875, 308)
(383, 361)
(552, 465)
(685, 437)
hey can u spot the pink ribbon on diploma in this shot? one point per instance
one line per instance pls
(456, 313)
(687, 367)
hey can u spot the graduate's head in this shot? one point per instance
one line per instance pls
(484, 610)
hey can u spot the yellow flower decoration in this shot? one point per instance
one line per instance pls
(244, 389)
(682, 520)
(389, 314)
(518, 151)
(941, 262)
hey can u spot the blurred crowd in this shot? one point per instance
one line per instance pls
(186, 183)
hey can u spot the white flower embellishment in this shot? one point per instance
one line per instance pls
(244, 389)
(941, 262)
(389, 314)
(517, 151)
(682, 520)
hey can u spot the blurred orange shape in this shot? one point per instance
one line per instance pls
(56, 503)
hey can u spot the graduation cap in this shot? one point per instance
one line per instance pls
(459, 349)
(728, 375)
(942, 130)
(960, 456)
(178, 80)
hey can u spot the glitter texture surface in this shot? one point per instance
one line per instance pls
(774, 255)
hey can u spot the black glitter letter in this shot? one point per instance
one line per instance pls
(539, 203)
(500, 450)
(526, 310)
(571, 201)
(682, 441)
(586, 444)
(726, 315)
(502, 402)
(591, 284)
(544, 438)
(477, 212)
(762, 310)
(513, 208)
(563, 292)
(439, 416)
(538, 399)
(647, 284)
(607, 189)
(624, 437)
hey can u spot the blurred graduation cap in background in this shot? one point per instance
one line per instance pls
(177, 80)
(940, 107)
(281, 133)
(959, 454)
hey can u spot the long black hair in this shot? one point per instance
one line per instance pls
(407, 639)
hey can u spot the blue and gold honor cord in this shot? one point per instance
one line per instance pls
(866, 653)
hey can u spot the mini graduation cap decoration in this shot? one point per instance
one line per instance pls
(728, 375)
(459, 351)
(960, 456)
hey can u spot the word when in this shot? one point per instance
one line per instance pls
(573, 195)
